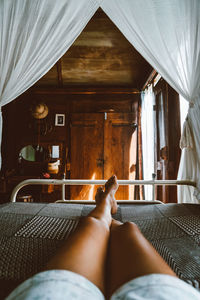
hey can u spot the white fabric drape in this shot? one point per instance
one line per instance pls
(190, 160)
(34, 34)
(167, 34)
(184, 106)
(147, 122)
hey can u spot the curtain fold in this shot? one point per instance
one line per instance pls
(167, 34)
(147, 123)
(189, 168)
(34, 34)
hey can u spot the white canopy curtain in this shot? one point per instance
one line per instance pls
(167, 34)
(147, 121)
(34, 34)
(190, 144)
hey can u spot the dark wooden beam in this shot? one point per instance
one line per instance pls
(59, 71)
(85, 91)
(150, 79)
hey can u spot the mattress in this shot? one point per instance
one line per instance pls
(30, 234)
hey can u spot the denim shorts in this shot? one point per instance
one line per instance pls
(61, 284)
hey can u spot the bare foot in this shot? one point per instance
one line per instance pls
(111, 187)
(99, 195)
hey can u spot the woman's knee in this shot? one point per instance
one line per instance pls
(126, 228)
(129, 226)
(93, 223)
(88, 221)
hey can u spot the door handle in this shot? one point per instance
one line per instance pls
(100, 162)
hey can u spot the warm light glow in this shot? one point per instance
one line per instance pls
(91, 188)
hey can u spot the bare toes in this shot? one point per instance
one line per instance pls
(111, 185)
(100, 189)
(99, 193)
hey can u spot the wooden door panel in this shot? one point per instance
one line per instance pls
(120, 142)
(86, 153)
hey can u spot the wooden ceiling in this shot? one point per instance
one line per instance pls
(100, 57)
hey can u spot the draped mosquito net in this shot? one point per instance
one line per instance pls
(35, 34)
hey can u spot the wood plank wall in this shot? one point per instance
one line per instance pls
(20, 127)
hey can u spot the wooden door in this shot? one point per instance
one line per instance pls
(86, 152)
(120, 145)
(102, 144)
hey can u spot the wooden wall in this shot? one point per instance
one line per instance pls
(21, 129)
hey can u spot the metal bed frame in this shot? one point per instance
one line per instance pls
(64, 182)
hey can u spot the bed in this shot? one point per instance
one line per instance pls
(31, 233)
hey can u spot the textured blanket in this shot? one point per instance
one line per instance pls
(30, 234)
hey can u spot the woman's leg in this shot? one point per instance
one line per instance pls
(85, 251)
(131, 256)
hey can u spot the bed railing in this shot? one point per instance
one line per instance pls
(64, 182)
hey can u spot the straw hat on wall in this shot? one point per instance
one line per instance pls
(53, 167)
(39, 111)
